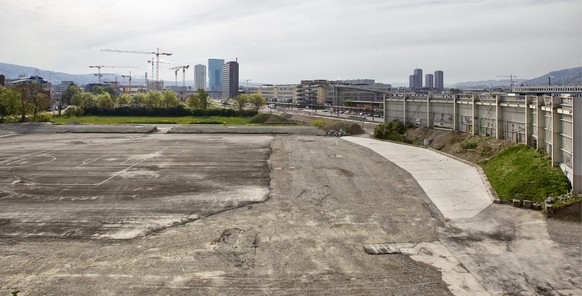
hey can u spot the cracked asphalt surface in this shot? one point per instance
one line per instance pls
(271, 214)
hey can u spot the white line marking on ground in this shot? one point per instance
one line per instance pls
(91, 161)
(146, 156)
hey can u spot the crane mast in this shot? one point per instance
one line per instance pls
(176, 69)
(127, 76)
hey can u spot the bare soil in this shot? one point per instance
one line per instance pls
(471, 148)
(210, 214)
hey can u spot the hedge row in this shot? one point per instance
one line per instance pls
(167, 112)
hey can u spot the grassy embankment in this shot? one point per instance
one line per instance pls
(521, 172)
(516, 172)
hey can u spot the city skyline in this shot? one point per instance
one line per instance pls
(469, 40)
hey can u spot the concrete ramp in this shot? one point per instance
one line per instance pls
(459, 190)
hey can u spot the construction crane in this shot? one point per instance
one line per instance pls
(99, 75)
(129, 87)
(176, 69)
(130, 76)
(153, 62)
(157, 53)
(510, 76)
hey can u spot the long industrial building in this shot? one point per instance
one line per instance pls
(548, 119)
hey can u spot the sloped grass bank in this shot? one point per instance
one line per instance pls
(514, 171)
(523, 173)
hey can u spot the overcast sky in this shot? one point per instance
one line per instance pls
(285, 41)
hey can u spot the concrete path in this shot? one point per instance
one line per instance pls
(459, 190)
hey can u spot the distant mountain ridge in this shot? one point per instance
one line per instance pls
(15, 71)
(572, 76)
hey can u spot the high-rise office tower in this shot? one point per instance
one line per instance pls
(439, 80)
(418, 74)
(230, 80)
(215, 74)
(199, 77)
(428, 81)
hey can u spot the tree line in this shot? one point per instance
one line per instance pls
(23, 100)
(103, 100)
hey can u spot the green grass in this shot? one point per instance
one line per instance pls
(524, 173)
(149, 120)
(319, 123)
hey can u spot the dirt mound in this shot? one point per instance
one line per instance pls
(276, 119)
(269, 119)
(468, 147)
(350, 127)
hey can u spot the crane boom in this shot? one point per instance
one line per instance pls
(99, 75)
(157, 53)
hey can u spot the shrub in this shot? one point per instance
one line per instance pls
(318, 123)
(393, 131)
(470, 145)
(176, 111)
(43, 117)
(74, 111)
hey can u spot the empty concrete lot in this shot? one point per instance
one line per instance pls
(158, 214)
(140, 212)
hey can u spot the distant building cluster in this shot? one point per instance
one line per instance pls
(321, 93)
(223, 78)
(431, 82)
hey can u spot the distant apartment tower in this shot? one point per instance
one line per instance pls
(412, 81)
(215, 74)
(230, 80)
(429, 81)
(199, 77)
(439, 80)
(418, 74)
